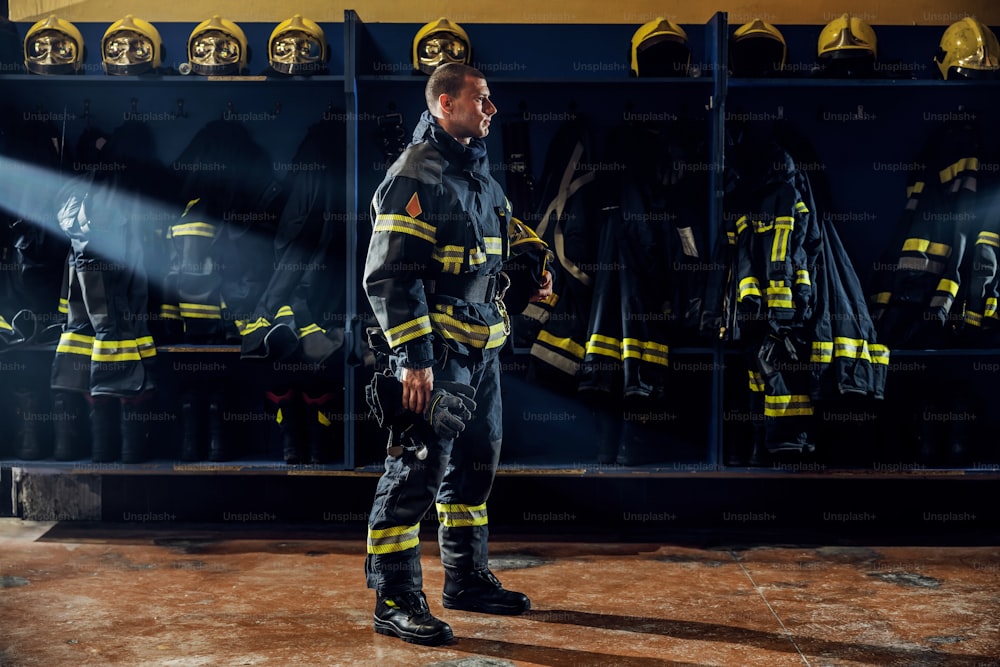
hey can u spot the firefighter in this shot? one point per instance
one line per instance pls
(432, 275)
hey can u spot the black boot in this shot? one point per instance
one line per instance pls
(289, 414)
(323, 433)
(194, 429)
(105, 429)
(135, 431)
(218, 437)
(68, 417)
(28, 414)
(408, 617)
(480, 590)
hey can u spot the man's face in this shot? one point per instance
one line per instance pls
(469, 114)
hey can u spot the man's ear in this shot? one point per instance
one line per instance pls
(444, 101)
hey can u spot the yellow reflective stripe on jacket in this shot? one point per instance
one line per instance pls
(477, 335)
(822, 352)
(147, 348)
(404, 224)
(450, 257)
(655, 353)
(991, 307)
(494, 245)
(393, 540)
(63, 306)
(925, 246)
(788, 405)
(783, 230)
(800, 207)
(949, 286)
(567, 344)
(247, 329)
(4, 326)
(200, 311)
(741, 225)
(203, 229)
(749, 286)
(880, 354)
(756, 381)
(779, 296)
(458, 515)
(72, 343)
(802, 277)
(605, 346)
(170, 312)
(115, 350)
(853, 348)
(407, 331)
(988, 238)
(915, 189)
(956, 168)
(883, 298)
(476, 256)
(310, 329)
(284, 311)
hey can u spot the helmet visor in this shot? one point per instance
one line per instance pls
(296, 48)
(128, 48)
(441, 48)
(50, 48)
(213, 48)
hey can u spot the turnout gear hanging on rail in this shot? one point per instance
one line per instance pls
(222, 244)
(568, 221)
(785, 288)
(915, 291)
(298, 310)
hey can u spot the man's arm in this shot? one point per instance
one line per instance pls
(399, 256)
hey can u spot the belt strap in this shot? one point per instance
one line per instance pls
(473, 289)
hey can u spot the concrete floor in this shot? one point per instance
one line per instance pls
(76, 593)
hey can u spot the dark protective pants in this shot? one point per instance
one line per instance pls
(456, 475)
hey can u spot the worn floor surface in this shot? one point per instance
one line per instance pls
(104, 594)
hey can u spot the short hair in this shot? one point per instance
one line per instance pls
(448, 79)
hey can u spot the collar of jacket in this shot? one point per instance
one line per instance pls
(464, 156)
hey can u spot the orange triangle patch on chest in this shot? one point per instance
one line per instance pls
(413, 206)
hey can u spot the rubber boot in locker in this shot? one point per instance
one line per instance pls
(220, 438)
(69, 422)
(325, 433)
(105, 429)
(135, 429)
(194, 429)
(29, 439)
(289, 415)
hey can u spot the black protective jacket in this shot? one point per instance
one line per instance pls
(440, 237)
(305, 294)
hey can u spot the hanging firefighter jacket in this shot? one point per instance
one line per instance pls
(568, 221)
(652, 256)
(299, 308)
(915, 290)
(222, 245)
(981, 326)
(34, 251)
(786, 289)
(105, 348)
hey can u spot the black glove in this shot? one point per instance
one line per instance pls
(450, 408)
(451, 405)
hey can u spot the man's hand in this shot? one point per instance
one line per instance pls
(544, 288)
(417, 385)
